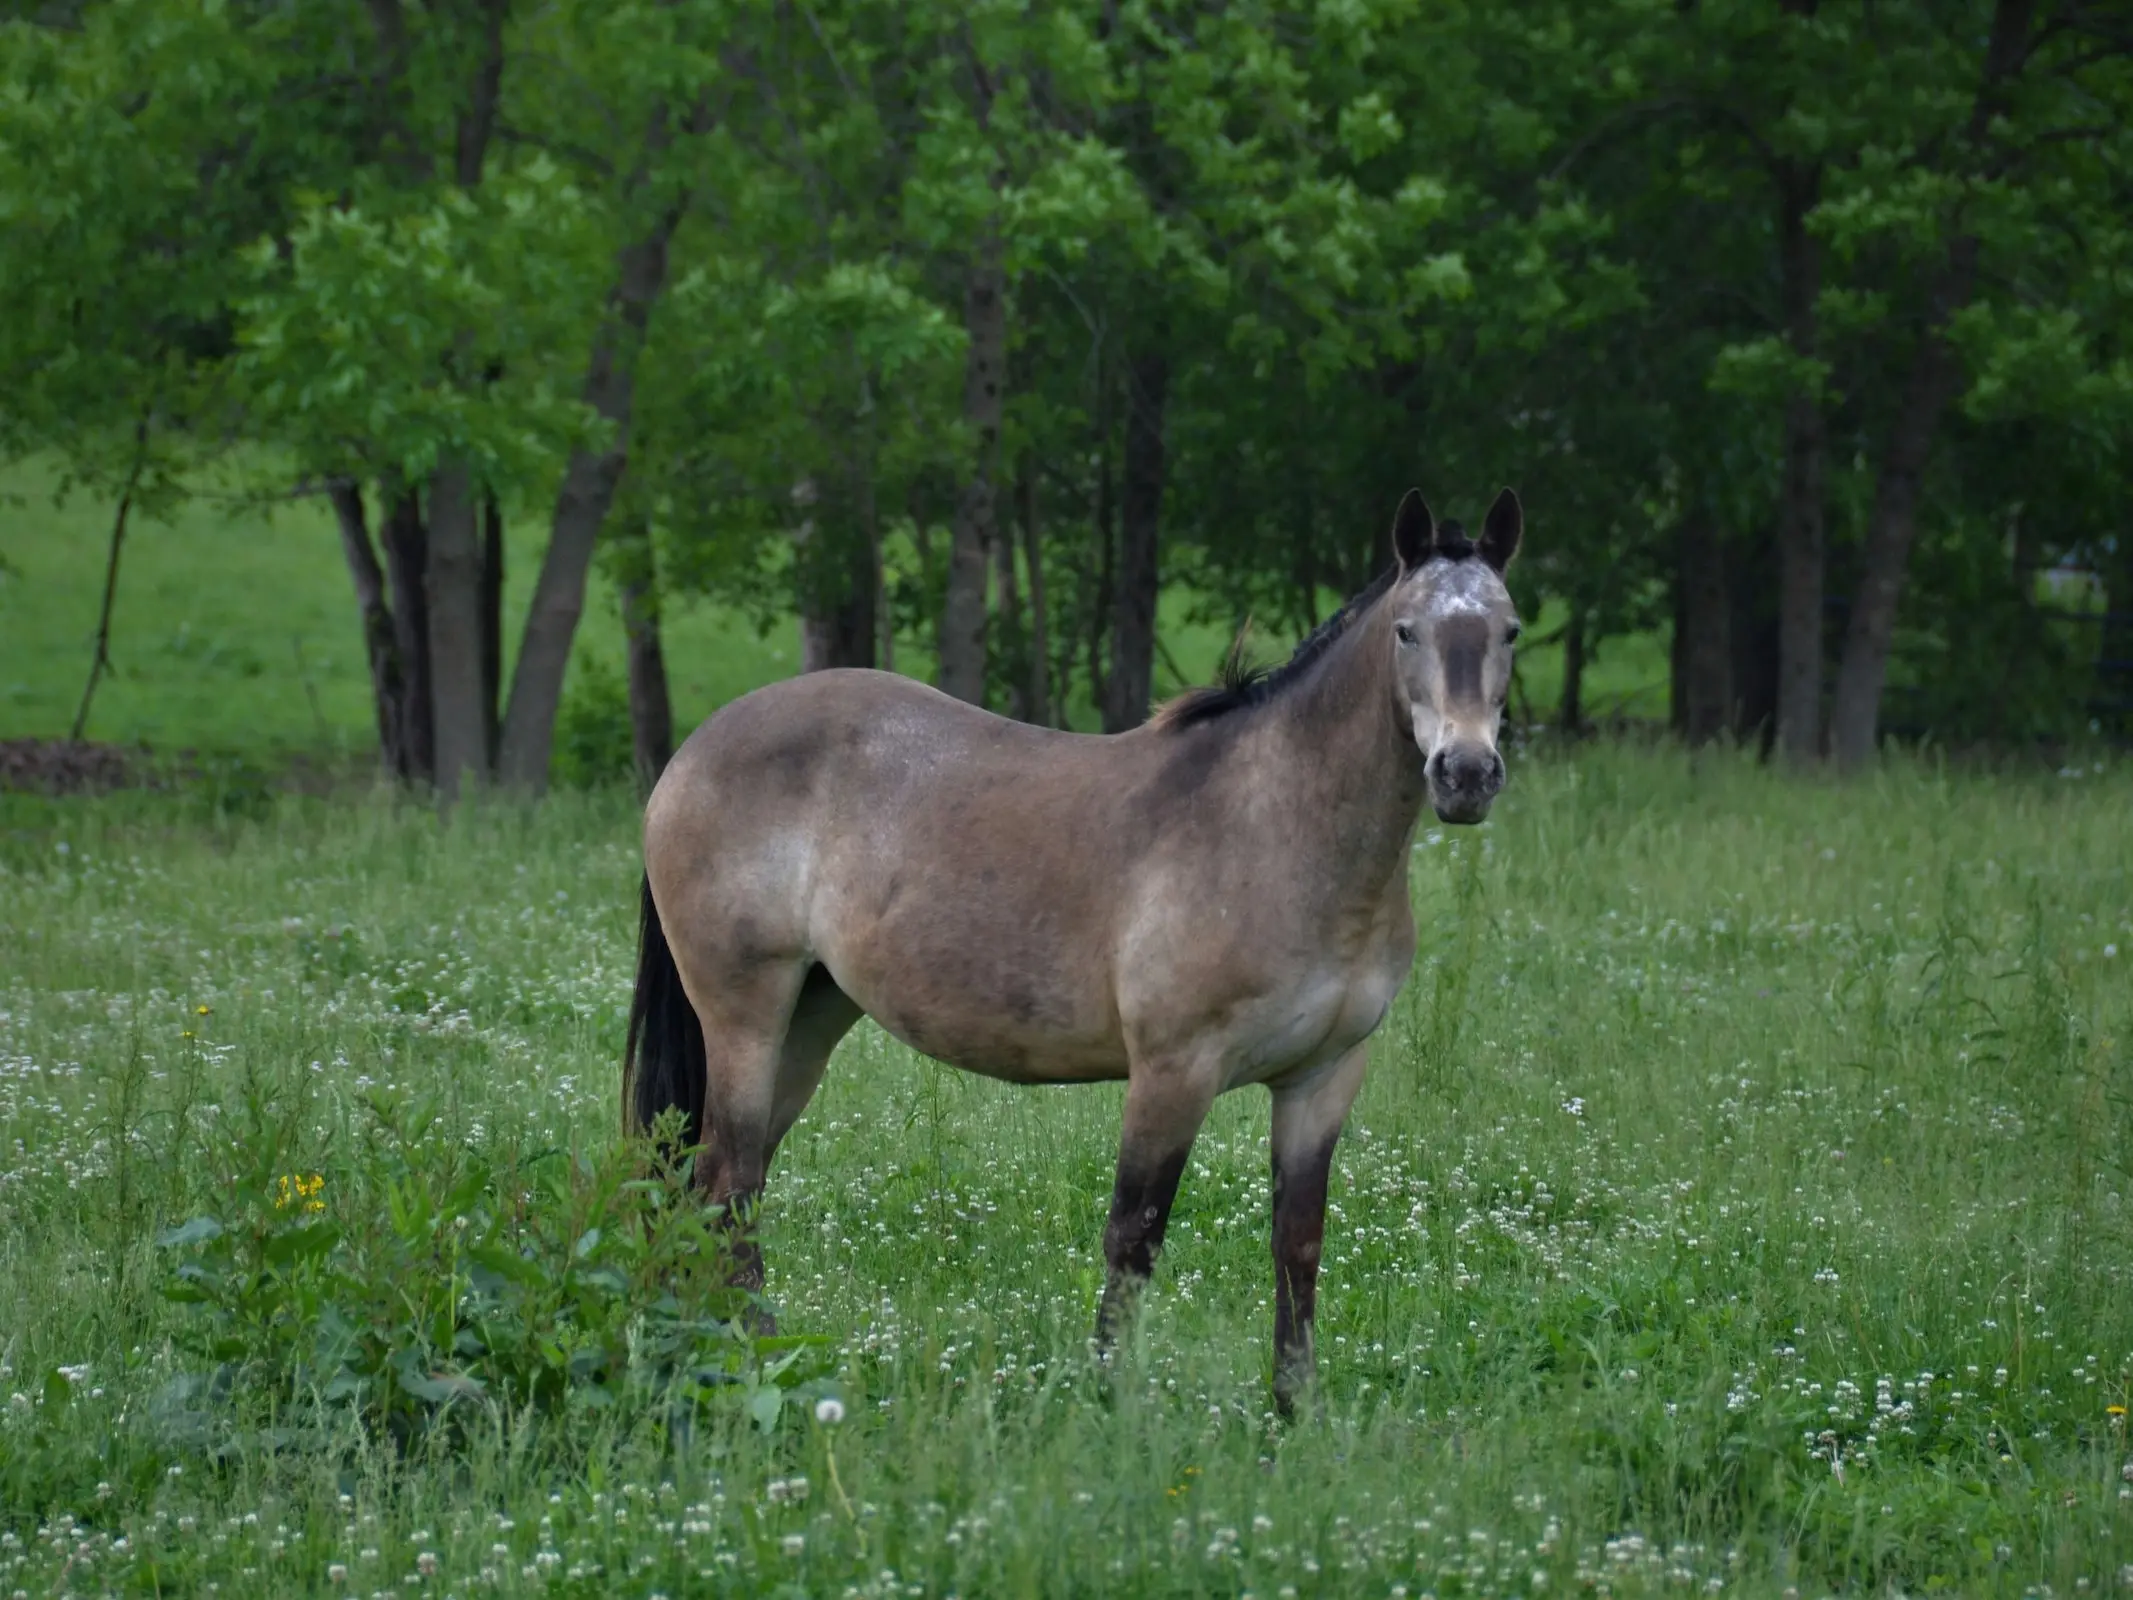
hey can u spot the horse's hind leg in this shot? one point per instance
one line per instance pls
(746, 1011)
(767, 1038)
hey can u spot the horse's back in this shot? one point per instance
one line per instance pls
(819, 746)
(947, 865)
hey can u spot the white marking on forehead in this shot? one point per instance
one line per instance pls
(1463, 589)
(1458, 605)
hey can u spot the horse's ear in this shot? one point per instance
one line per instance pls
(1414, 531)
(1499, 535)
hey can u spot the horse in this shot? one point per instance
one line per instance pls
(1218, 897)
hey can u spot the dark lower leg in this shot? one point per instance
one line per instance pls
(731, 1173)
(1140, 1210)
(1299, 1233)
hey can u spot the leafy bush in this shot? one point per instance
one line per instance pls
(421, 1282)
(592, 728)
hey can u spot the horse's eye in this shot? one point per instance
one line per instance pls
(1402, 632)
(1511, 634)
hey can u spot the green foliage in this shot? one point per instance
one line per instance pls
(592, 734)
(412, 1284)
(355, 332)
(1371, 244)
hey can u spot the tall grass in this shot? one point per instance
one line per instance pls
(1740, 1201)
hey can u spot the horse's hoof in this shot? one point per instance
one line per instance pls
(1295, 1392)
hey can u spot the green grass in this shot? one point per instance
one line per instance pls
(236, 629)
(1719, 1111)
(235, 632)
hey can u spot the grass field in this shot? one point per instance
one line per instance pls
(1740, 1201)
(236, 633)
(236, 629)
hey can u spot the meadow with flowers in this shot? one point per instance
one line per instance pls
(1742, 1201)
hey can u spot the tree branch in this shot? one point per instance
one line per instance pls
(102, 659)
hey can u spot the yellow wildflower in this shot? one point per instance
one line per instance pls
(300, 1190)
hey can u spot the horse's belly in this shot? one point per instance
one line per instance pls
(1310, 1023)
(1005, 1001)
(1010, 1056)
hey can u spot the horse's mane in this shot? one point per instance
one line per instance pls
(1246, 682)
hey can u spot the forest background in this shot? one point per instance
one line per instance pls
(1013, 345)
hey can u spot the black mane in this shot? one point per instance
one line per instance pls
(1249, 683)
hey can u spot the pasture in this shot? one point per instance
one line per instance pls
(1741, 1200)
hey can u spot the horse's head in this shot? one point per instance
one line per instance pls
(1452, 629)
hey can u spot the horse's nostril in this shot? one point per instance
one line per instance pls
(1465, 771)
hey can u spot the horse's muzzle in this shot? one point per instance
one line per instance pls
(1463, 782)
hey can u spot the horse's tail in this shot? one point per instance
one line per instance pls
(663, 1061)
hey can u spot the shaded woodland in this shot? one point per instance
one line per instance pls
(1801, 327)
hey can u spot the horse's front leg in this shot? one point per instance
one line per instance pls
(1308, 1114)
(1165, 1104)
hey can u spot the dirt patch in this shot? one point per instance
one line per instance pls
(58, 767)
(73, 766)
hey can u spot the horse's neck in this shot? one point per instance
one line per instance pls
(1353, 775)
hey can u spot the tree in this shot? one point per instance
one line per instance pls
(1965, 216)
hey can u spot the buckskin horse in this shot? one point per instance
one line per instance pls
(1216, 898)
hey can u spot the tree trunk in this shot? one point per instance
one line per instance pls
(1039, 691)
(1931, 384)
(837, 628)
(1099, 612)
(1140, 516)
(1752, 617)
(1703, 635)
(492, 626)
(1013, 648)
(977, 514)
(454, 579)
(1800, 521)
(462, 688)
(651, 704)
(588, 489)
(386, 690)
(2114, 646)
(838, 604)
(877, 588)
(406, 562)
(1570, 715)
(477, 116)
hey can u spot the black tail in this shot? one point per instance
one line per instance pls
(663, 1062)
